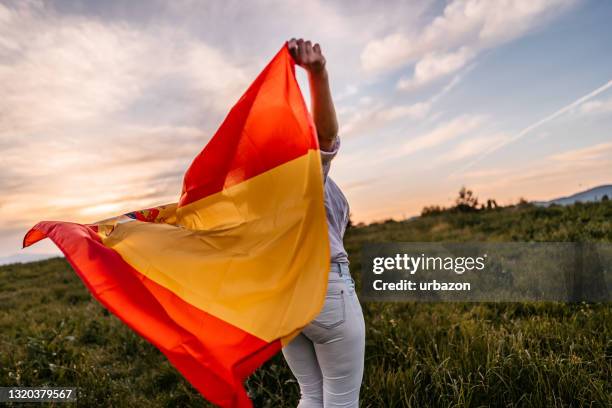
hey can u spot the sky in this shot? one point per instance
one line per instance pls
(103, 104)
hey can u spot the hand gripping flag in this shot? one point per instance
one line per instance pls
(221, 280)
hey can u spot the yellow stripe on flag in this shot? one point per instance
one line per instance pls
(205, 263)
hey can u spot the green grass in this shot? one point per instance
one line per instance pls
(448, 355)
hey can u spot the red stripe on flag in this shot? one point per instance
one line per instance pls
(214, 356)
(269, 125)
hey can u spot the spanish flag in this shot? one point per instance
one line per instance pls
(222, 279)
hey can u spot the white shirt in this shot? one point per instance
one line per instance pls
(336, 208)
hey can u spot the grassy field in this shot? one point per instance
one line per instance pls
(448, 355)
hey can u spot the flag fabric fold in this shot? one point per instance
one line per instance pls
(222, 279)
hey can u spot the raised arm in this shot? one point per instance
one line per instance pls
(309, 57)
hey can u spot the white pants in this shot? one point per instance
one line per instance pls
(327, 356)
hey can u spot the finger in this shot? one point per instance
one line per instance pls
(317, 48)
(301, 51)
(308, 48)
(292, 45)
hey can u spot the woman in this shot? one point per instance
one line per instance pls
(327, 357)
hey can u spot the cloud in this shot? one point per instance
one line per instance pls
(544, 178)
(100, 117)
(390, 148)
(355, 185)
(471, 147)
(598, 107)
(463, 30)
(459, 126)
(369, 115)
(527, 130)
(387, 53)
(413, 111)
(436, 65)
(481, 174)
(57, 70)
(52, 74)
(49, 179)
(596, 152)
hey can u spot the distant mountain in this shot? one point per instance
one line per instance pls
(590, 195)
(24, 258)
